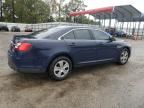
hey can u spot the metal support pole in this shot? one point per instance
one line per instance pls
(135, 27)
(122, 25)
(95, 21)
(81, 19)
(104, 23)
(99, 22)
(115, 24)
(138, 28)
(143, 31)
(133, 30)
(119, 26)
(127, 27)
(74, 19)
(89, 19)
(130, 29)
(110, 22)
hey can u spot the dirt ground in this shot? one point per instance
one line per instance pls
(100, 86)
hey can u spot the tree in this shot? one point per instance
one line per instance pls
(53, 4)
(76, 5)
(73, 6)
(27, 11)
(56, 7)
(60, 10)
(38, 11)
(50, 19)
(85, 20)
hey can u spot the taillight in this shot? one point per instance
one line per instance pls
(23, 47)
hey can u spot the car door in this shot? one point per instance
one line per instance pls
(105, 48)
(81, 45)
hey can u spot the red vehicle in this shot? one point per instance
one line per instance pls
(27, 29)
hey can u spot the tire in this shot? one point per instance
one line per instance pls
(124, 35)
(124, 56)
(60, 68)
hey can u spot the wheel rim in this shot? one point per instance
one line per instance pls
(61, 68)
(124, 56)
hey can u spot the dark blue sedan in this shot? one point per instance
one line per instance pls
(58, 50)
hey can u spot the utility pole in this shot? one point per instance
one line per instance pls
(60, 6)
(59, 11)
(1, 9)
(13, 11)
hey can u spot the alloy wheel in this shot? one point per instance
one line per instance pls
(124, 56)
(61, 68)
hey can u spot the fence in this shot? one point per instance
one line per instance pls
(40, 26)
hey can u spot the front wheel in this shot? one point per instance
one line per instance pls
(60, 68)
(124, 56)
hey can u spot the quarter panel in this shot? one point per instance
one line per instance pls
(45, 50)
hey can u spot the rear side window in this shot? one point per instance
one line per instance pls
(70, 35)
(99, 35)
(82, 35)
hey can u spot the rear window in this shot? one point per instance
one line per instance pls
(53, 33)
(37, 32)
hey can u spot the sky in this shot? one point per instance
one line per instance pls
(92, 4)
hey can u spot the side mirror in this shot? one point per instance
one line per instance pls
(111, 38)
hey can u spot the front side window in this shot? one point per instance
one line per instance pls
(69, 35)
(82, 35)
(99, 35)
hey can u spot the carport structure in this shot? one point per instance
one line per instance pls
(121, 15)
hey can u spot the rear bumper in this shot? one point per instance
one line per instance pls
(13, 63)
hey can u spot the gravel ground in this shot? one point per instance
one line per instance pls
(100, 86)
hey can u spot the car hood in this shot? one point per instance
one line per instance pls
(123, 42)
(120, 40)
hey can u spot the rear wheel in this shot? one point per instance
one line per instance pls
(60, 68)
(124, 56)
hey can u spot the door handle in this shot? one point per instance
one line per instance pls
(101, 43)
(72, 44)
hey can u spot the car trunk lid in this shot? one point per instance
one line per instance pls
(17, 39)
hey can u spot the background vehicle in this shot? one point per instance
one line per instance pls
(60, 49)
(27, 29)
(120, 33)
(111, 31)
(15, 29)
(3, 27)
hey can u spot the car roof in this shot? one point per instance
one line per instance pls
(75, 27)
(3, 25)
(61, 30)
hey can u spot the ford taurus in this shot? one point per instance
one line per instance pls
(60, 49)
